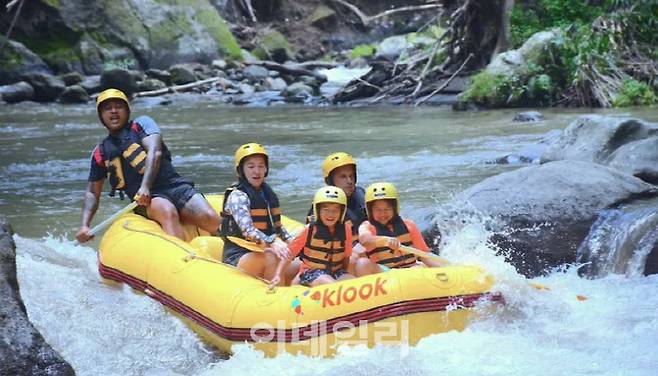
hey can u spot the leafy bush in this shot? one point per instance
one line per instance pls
(635, 93)
(363, 50)
(526, 20)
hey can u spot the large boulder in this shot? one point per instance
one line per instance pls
(18, 92)
(86, 35)
(639, 158)
(517, 62)
(539, 215)
(627, 144)
(123, 79)
(22, 349)
(46, 87)
(74, 94)
(17, 60)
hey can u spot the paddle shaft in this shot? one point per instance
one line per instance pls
(421, 254)
(101, 226)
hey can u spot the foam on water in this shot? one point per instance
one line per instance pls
(578, 326)
(100, 328)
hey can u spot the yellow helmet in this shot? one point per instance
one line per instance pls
(111, 94)
(334, 161)
(382, 191)
(329, 194)
(248, 150)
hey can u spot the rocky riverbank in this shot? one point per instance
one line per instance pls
(22, 349)
(261, 56)
(547, 214)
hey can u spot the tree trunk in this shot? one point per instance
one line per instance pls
(504, 35)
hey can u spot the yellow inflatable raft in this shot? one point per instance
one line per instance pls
(228, 307)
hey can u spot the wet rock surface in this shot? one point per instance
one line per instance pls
(22, 349)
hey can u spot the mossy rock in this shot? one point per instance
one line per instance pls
(17, 60)
(322, 17)
(273, 46)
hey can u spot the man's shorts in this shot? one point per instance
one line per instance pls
(178, 194)
(232, 253)
(310, 275)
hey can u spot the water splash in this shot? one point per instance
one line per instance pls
(100, 328)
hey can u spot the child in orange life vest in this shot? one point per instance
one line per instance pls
(325, 245)
(384, 232)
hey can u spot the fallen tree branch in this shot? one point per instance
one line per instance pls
(365, 19)
(177, 88)
(294, 70)
(317, 64)
(13, 22)
(445, 84)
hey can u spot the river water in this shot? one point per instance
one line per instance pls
(606, 326)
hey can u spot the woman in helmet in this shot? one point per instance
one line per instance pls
(384, 232)
(326, 243)
(251, 217)
(137, 162)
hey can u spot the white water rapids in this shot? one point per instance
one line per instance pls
(606, 326)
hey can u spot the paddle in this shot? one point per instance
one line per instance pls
(101, 226)
(432, 256)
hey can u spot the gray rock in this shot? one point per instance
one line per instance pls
(392, 47)
(122, 79)
(161, 75)
(74, 94)
(517, 62)
(255, 73)
(150, 84)
(456, 85)
(541, 214)
(72, 78)
(91, 84)
(528, 116)
(594, 138)
(18, 60)
(297, 89)
(22, 349)
(248, 57)
(18, 92)
(276, 84)
(181, 74)
(219, 64)
(246, 89)
(638, 158)
(46, 87)
(156, 35)
(92, 55)
(310, 81)
(531, 153)
(322, 17)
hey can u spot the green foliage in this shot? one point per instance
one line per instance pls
(584, 62)
(492, 90)
(526, 20)
(635, 93)
(363, 50)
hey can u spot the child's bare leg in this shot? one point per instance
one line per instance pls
(322, 280)
(253, 264)
(365, 266)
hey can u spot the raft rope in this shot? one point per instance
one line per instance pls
(191, 255)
